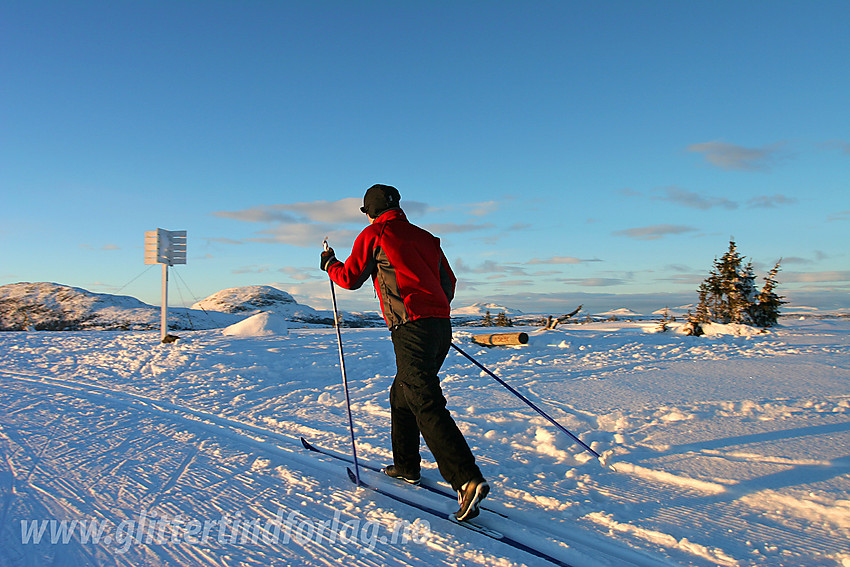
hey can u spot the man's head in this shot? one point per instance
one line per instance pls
(379, 199)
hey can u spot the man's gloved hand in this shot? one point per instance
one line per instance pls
(328, 258)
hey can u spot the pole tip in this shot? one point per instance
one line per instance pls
(603, 460)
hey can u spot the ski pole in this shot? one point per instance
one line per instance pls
(344, 377)
(534, 407)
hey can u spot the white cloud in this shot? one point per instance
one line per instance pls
(484, 209)
(770, 201)
(335, 212)
(224, 241)
(560, 260)
(840, 145)
(302, 274)
(340, 211)
(454, 228)
(252, 269)
(694, 200)
(480, 209)
(732, 157)
(685, 279)
(815, 277)
(654, 232)
(308, 235)
(796, 260)
(488, 267)
(595, 282)
(266, 214)
(515, 283)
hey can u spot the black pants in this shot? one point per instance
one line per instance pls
(418, 405)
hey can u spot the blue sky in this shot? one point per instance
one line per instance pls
(565, 152)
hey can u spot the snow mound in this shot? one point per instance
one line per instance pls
(735, 329)
(263, 324)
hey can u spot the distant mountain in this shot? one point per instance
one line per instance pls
(622, 312)
(481, 309)
(56, 307)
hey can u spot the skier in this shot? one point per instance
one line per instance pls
(415, 285)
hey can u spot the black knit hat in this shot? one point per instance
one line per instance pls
(379, 199)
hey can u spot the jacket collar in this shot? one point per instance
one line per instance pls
(391, 214)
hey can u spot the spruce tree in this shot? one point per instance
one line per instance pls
(488, 319)
(766, 311)
(503, 321)
(734, 285)
(729, 293)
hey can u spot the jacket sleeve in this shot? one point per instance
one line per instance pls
(448, 281)
(359, 266)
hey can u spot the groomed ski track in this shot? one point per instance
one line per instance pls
(273, 470)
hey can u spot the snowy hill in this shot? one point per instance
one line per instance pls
(250, 300)
(56, 307)
(256, 298)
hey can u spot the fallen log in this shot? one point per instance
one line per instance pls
(501, 339)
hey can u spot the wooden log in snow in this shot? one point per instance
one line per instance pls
(501, 339)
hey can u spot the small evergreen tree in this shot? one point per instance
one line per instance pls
(729, 293)
(663, 324)
(503, 321)
(488, 319)
(703, 311)
(766, 311)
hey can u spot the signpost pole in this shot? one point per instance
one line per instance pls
(166, 247)
(164, 314)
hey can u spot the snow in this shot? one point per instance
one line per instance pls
(51, 307)
(621, 312)
(260, 325)
(730, 449)
(481, 309)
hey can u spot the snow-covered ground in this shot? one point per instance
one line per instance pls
(730, 449)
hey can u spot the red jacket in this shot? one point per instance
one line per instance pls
(411, 275)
